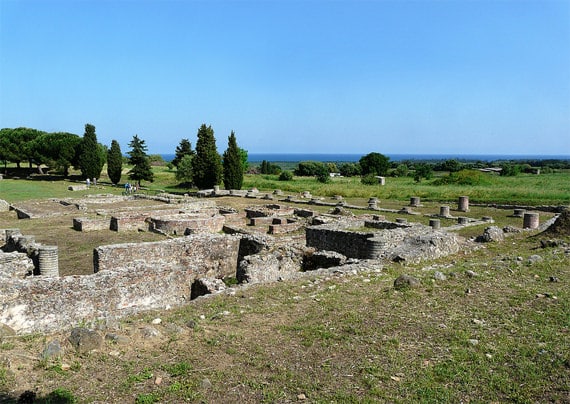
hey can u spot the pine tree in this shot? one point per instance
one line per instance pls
(90, 159)
(114, 162)
(233, 166)
(207, 163)
(140, 161)
(183, 149)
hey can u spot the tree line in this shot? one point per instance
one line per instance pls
(203, 167)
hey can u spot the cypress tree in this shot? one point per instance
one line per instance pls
(140, 161)
(207, 163)
(90, 160)
(183, 149)
(233, 166)
(114, 162)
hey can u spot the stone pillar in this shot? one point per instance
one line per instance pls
(519, 213)
(48, 261)
(463, 204)
(462, 220)
(415, 201)
(373, 203)
(216, 188)
(434, 224)
(530, 221)
(444, 211)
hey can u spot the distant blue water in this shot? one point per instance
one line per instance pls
(340, 157)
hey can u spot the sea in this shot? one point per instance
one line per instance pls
(347, 158)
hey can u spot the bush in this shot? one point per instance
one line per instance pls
(463, 177)
(369, 179)
(286, 176)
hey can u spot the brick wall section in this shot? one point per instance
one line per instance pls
(179, 224)
(138, 277)
(349, 243)
(216, 254)
(88, 224)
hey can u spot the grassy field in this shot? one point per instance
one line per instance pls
(527, 189)
(496, 330)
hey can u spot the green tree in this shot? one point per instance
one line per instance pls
(349, 169)
(91, 155)
(114, 162)
(423, 170)
(57, 150)
(374, 163)
(233, 165)
(140, 161)
(184, 172)
(207, 163)
(183, 149)
(243, 155)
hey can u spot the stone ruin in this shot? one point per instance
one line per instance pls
(262, 244)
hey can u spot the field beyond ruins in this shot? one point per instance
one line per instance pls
(489, 323)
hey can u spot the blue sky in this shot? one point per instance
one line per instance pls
(449, 77)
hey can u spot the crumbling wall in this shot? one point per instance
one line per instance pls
(352, 244)
(131, 278)
(188, 223)
(216, 254)
(410, 242)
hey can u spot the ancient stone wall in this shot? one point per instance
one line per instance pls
(187, 224)
(130, 278)
(352, 244)
(216, 254)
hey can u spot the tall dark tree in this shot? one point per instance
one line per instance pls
(233, 165)
(91, 155)
(374, 164)
(183, 149)
(140, 161)
(207, 163)
(114, 162)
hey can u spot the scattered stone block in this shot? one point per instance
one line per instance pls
(85, 340)
(404, 282)
(77, 188)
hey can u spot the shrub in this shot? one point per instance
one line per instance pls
(286, 176)
(369, 179)
(463, 177)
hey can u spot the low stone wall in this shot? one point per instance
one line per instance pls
(131, 278)
(410, 243)
(215, 254)
(351, 244)
(88, 224)
(187, 224)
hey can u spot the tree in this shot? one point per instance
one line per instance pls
(139, 160)
(58, 150)
(423, 170)
(349, 169)
(375, 164)
(114, 162)
(244, 158)
(207, 163)
(91, 155)
(183, 149)
(233, 165)
(184, 171)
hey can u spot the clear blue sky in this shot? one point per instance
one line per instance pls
(463, 77)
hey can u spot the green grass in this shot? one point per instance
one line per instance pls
(352, 338)
(551, 189)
